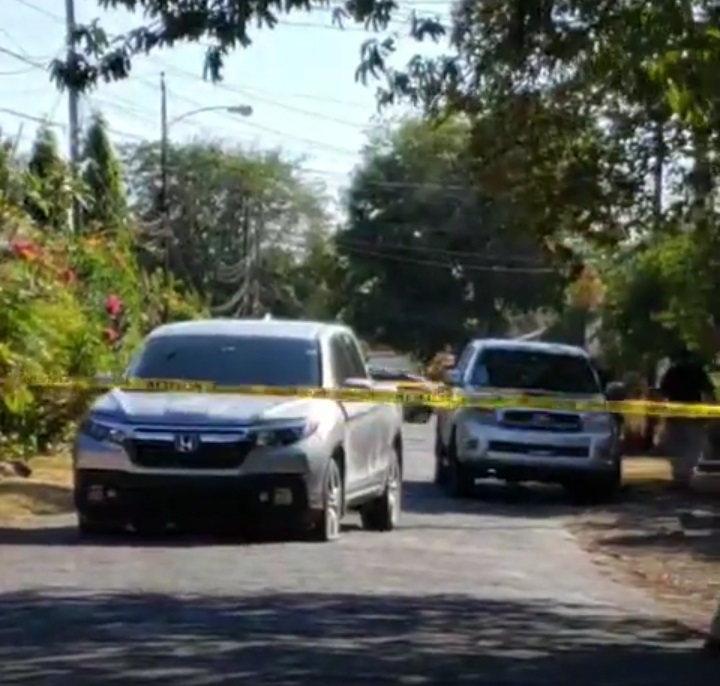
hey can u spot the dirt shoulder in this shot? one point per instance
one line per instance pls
(48, 490)
(664, 541)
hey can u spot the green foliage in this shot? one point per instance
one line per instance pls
(242, 224)
(652, 303)
(53, 290)
(223, 26)
(248, 234)
(49, 187)
(102, 177)
(425, 246)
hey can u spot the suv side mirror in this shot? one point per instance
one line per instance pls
(452, 377)
(616, 391)
(358, 383)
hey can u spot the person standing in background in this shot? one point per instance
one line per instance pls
(685, 381)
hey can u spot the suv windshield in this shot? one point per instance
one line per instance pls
(230, 361)
(532, 370)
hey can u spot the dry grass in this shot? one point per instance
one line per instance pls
(47, 491)
(645, 470)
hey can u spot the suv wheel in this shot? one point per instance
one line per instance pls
(441, 470)
(460, 481)
(383, 513)
(327, 528)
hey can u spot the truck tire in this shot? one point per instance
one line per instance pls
(327, 526)
(460, 482)
(441, 470)
(383, 513)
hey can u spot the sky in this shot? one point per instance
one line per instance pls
(298, 79)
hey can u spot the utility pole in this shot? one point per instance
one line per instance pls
(256, 266)
(247, 275)
(73, 110)
(164, 143)
(163, 199)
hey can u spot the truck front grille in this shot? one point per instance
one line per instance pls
(542, 421)
(157, 454)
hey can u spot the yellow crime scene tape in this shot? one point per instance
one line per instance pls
(437, 396)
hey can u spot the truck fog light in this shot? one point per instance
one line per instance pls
(283, 496)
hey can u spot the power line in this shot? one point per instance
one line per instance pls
(40, 10)
(145, 116)
(22, 58)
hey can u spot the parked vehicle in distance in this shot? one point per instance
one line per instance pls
(149, 458)
(580, 451)
(396, 379)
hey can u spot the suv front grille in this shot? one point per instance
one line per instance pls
(156, 454)
(542, 421)
(535, 450)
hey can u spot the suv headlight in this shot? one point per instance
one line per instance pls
(486, 416)
(598, 423)
(102, 431)
(286, 433)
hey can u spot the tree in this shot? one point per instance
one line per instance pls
(105, 202)
(49, 186)
(224, 25)
(241, 223)
(430, 258)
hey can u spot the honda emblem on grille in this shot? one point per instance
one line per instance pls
(543, 419)
(186, 443)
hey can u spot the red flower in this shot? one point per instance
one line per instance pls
(68, 276)
(26, 250)
(113, 305)
(111, 335)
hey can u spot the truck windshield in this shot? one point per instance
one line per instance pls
(534, 370)
(230, 361)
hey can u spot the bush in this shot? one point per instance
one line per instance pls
(55, 324)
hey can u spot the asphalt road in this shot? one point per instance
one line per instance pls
(489, 592)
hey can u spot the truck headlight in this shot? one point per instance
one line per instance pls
(486, 416)
(285, 434)
(102, 431)
(598, 423)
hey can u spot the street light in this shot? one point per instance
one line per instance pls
(240, 110)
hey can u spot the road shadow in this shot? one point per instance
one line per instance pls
(533, 501)
(661, 519)
(67, 536)
(58, 639)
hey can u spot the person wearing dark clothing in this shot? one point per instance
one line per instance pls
(686, 381)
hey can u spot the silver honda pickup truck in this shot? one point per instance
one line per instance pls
(578, 449)
(145, 459)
